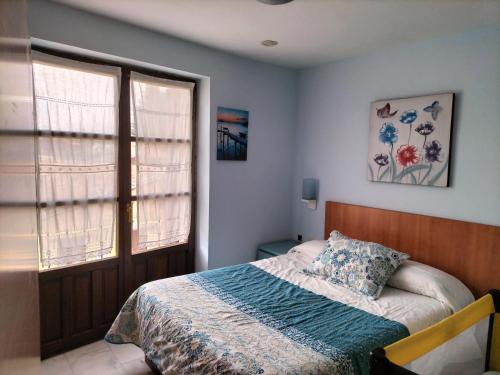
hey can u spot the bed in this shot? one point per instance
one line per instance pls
(269, 317)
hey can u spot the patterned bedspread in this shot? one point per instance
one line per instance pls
(244, 320)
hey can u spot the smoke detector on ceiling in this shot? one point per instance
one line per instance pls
(269, 43)
(275, 2)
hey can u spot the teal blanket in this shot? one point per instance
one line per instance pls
(241, 319)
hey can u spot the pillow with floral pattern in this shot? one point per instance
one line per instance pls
(321, 265)
(361, 266)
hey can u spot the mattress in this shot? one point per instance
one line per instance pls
(266, 317)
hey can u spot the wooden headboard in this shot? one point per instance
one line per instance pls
(468, 251)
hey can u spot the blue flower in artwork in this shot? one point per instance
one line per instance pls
(340, 258)
(432, 151)
(388, 133)
(408, 117)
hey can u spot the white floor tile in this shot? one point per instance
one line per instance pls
(136, 367)
(126, 352)
(57, 365)
(93, 363)
(98, 358)
(98, 346)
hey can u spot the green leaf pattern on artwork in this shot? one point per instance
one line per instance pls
(412, 173)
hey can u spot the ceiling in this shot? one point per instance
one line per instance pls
(309, 32)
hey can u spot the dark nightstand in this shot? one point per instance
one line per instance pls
(272, 249)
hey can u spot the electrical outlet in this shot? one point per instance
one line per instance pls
(299, 237)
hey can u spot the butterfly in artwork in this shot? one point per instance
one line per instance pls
(385, 111)
(434, 109)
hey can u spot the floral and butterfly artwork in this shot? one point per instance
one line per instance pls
(410, 140)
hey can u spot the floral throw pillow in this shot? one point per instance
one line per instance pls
(363, 267)
(322, 265)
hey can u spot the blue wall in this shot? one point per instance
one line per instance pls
(316, 126)
(332, 128)
(240, 203)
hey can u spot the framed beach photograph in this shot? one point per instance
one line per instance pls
(410, 140)
(232, 134)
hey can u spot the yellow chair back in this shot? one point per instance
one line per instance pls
(412, 347)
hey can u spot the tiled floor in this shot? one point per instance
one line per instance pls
(98, 358)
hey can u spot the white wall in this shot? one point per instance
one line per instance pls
(332, 128)
(249, 202)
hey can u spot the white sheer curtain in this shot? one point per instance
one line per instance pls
(162, 126)
(77, 125)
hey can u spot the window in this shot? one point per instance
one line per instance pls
(78, 121)
(161, 124)
(77, 128)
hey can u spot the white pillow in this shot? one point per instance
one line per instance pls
(310, 249)
(428, 281)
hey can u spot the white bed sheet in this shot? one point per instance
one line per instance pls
(415, 311)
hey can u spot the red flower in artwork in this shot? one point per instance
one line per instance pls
(407, 155)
